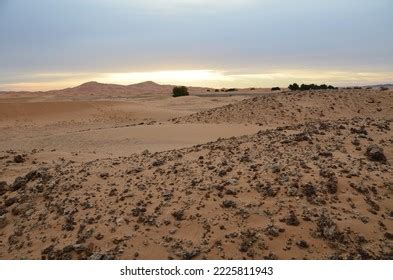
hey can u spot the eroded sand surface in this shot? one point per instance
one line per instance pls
(293, 175)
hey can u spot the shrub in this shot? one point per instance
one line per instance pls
(384, 88)
(231, 89)
(304, 87)
(295, 86)
(180, 91)
(217, 90)
(275, 88)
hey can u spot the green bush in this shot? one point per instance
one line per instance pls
(305, 87)
(180, 91)
(295, 86)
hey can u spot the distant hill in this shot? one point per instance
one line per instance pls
(385, 85)
(93, 87)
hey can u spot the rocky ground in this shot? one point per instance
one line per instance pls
(284, 108)
(316, 182)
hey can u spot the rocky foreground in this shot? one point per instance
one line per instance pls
(285, 108)
(322, 189)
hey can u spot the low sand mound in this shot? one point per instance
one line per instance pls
(126, 140)
(299, 107)
(316, 191)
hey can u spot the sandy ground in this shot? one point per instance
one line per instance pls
(115, 172)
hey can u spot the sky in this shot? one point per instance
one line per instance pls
(50, 44)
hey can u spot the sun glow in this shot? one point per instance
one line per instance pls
(191, 77)
(203, 78)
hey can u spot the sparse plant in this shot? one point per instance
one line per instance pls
(304, 87)
(294, 87)
(276, 88)
(180, 91)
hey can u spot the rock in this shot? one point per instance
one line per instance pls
(136, 169)
(388, 235)
(361, 130)
(328, 229)
(113, 192)
(276, 168)
(272, 231)
(222, 173)
(309, 190)
(167, 195)
(100, 256)
(21, 208)
(292, 220)
(325, 154)
(301, 137)
(3, 221)
(267, 189)
(19, 183)
(375, 153)
(10, 201)
(39, 173)
(158, 162)
(188, 255)
(302, 244)
(19, 159)
(178, 215)
(3, 187)
(332, 185)
(229, 204)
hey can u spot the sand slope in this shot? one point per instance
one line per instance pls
(298, 107)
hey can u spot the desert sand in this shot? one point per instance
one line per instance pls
(129, 172)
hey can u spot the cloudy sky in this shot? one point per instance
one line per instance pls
(46, 44)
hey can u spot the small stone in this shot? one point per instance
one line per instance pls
(292, 220)
(3, 187)
(302, 244)
(19, 159)
(3, 221)
(229, 204)
(158, 162)
(309, 190)
(178, 215)
(19, 183)
(375, 153)
(9, 201)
